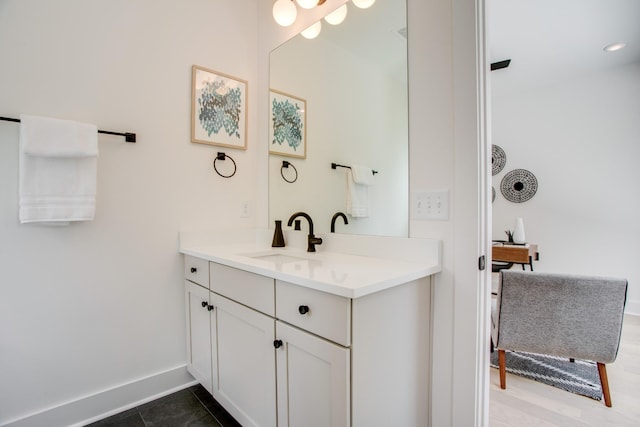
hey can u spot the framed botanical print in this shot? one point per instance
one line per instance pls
(218, 109)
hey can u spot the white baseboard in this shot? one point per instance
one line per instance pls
(632, 307)
(94, 407)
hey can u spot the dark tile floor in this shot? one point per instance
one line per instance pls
(193, 407)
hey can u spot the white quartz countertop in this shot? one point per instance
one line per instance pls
(343, 274)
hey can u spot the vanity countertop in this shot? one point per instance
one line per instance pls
(344, 274)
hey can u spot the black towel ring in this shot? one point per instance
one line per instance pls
(285, 165)
(222, 156)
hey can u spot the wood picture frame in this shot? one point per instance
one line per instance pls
(218, 109)
(287, 125)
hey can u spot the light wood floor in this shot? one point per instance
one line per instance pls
(529, 403)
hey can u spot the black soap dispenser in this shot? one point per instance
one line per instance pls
(278, 237)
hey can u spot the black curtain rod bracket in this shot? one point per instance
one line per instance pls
(128, 136)
(335, 165)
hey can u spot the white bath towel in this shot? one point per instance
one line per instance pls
(58, 170)
(357, 197)
(362, 174)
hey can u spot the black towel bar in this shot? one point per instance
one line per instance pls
(335, 165)
(128, 136)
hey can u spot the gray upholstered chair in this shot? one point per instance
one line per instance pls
(577, 317)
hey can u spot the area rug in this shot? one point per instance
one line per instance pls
(580, 377)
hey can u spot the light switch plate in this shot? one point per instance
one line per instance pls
(245, 209)
(430, 205)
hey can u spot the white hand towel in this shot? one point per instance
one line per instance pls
(362, 174)
(357, 198)
(58, 170)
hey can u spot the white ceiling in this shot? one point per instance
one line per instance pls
(554, 40)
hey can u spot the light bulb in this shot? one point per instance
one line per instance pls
(363, 4)
(284, 12)
(313, 31)
(307, 4)
(614, 46)
(337, 16)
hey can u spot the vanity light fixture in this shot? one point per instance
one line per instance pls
(309, 4)
(337, 16)
(312, 31)
(363, 4)
(285, 13)
(614, 47)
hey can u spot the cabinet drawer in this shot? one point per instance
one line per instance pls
(318, 312)
(250, 289)
(196, 270)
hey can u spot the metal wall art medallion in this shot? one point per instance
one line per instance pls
(498, 159)
(519, 185)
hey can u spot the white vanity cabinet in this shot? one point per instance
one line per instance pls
(230, 345)
(286, 354)
(313, 372)
(244, 379)
(313, 380)
(197, 308)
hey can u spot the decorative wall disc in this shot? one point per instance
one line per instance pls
(498, 159)
(519, 185)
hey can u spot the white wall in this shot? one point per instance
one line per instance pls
(580, 139)
(96, 305)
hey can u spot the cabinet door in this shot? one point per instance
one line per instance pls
(244, 381)
(313, 380)
(198, 333)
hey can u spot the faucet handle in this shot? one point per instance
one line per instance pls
(312, 242)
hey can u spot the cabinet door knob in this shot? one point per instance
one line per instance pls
(303, 309)
(193, 269)
(277, 343)
(204, 304)
(209, 307)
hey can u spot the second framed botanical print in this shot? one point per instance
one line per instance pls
(287, 125)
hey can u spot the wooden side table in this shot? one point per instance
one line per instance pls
(516, 254)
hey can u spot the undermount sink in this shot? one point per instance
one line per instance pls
(276, 258)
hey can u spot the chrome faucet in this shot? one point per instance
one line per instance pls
(312, 240)
(333, 220)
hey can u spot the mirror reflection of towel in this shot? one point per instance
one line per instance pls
(362, 174)
(357, 197)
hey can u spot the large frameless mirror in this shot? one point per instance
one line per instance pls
(342, 98)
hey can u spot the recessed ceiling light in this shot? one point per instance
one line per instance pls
(614, 46)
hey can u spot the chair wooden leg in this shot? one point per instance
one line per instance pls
(602, 370)
(502, 365)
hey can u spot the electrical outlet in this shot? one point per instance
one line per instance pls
(245, 210)
(430, 205)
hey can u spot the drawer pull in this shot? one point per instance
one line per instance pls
(209, 307)
(277, 343)
(193, 269)
(204, 304)
(303, 309)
